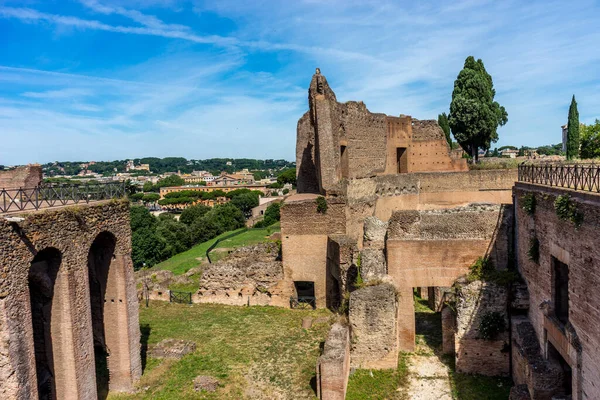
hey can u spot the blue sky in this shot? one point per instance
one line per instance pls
(117, 79)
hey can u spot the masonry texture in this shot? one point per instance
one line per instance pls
(573, 338)
(68, 298)
(333, 367)
(26, 177)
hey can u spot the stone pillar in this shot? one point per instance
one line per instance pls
(406, 319)
(333, 367)
(448, 330)
(373, 314)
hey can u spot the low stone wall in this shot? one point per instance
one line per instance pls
(333, 367)
(474, 354)
(373, 315)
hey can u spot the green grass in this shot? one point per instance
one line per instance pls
(254, 352)
(183, 262)
(367, 384)
(477, 387)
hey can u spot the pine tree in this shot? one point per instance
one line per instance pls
(573, 131)
(474, 115)
(443, 123)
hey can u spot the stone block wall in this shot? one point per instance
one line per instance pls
(70, 233)
(26, 177)
(373, 316)
(333, 367)
(474, 354)
(560, 240)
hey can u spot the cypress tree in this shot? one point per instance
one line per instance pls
(443, 123)
(573, 131)
(474, 114)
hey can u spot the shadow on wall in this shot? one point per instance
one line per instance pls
(145, 335)
(307, 175)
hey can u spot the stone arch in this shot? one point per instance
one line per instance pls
(50, 319)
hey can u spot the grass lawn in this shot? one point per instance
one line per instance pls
(254, 352)
(183, 262)
(366, 384)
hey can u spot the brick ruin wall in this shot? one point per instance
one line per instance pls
(578, 248)
(304, 238)
(26, 177)
(71, 232)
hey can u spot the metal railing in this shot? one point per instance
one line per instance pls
(54, 195)
(584, 177)
(180, 297)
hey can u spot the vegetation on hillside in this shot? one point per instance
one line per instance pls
(590, 140)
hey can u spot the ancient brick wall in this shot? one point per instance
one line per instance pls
(70, 233)
(333, 367)
(26, 177)
(560, 240)
(475, 354)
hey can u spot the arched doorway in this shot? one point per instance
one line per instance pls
(42, 279)
(102, 301)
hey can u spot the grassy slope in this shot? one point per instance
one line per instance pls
(191, 258)
(254, 352)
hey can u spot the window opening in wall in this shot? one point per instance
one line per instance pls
(344, 161)
(555, 356)
(305, 294)
(402, 160)
(561, 290)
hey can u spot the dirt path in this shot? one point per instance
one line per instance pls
(428, 377)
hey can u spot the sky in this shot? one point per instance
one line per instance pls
(84, 80)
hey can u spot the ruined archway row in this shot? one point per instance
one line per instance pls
(68, 307)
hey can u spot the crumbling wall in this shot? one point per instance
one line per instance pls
(26, 177)
(71, 231)
(576, 246)
(333, 367)
(373, 315)
(474, 353)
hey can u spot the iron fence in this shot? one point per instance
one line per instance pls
(180, 297)
(584, 177)
(53, 195)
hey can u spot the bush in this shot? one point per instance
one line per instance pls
(321, 205)
(529, 203)
(492, 324)
(483, 270)
(534, 250)
(192, 213)
(567, 210)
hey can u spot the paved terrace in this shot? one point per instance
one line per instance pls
(46, 196)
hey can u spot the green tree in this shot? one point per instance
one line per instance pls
(176, 236)
(172, 180)
(443, 123)
(287, 176)
(141, 218)
(146, 248)
(204, 229)
(474, 115)
(573, 131)
(227, 216)
(192, 213)
(148, 187)
(590, 140)
(245, 202)
(136, 196)
(151, 197)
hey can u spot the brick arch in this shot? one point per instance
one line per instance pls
(50, 318)
(109, 314)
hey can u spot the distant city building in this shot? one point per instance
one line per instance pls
(564, 137)
(172, 189)
(130, 166)
(510, 153)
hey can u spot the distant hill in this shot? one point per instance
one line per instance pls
(168, 164)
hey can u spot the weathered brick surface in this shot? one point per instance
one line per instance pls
(578, 248)
(71, 231)
(448, 330)
(26, 177)
(373, 315)
(333, 367)
(302, 218)
(475, 355)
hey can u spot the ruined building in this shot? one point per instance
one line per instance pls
(384, 206)
(69, 324)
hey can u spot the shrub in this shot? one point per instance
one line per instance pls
(534, 250)
(483, 270)
(567, 210)
(529, 203)
(321, 205)
(492, 324)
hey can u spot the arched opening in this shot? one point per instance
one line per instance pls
(42, 278)
(100, 257)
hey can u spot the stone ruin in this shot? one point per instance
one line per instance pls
(69, 324)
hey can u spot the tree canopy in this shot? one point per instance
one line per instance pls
(474, 115)
(443, 123)
(287, 176)
(590, 140)
(573, 131)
